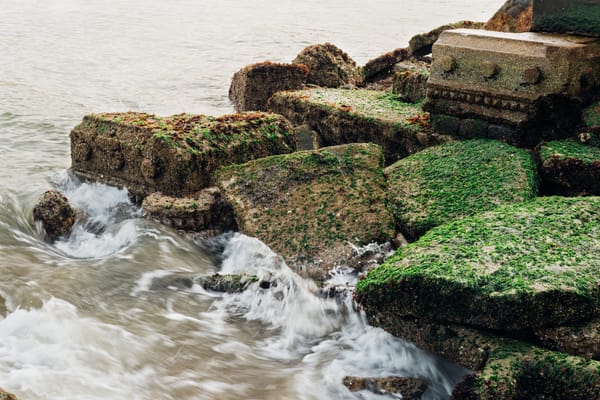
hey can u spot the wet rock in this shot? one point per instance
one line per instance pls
(410, 85)
(454, 180)
(513, 16)
(176, 281)
(383, 65)
(328, 66)
(308, 206)
(229, 283)
(308, 139)
(569, 168)
(252, 86)
(566, 16)
(409, 388)
(7, 396)
(342, 116)
(421, 45)
(55, 213)
(202, 211)
(511, 269)
(174, 155)
(582, 340)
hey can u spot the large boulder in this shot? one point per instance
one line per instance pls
(569, 168)
(174, 155)
(252, 86)
(311, 206)
(513, 16)
(200, 211)
(343, 116)
(421, 44)
(328, 66)
(55, 213)
(520, 267)
(458, 179)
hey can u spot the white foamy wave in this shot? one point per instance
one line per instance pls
(54, 353)
(84, 244)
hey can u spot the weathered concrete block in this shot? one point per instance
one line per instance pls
(513, 16)
(328, 66)
(519, 267)
(252, 86)
(356, 116)
(308, 206)
(454, 180)
(581, 17)
(532, 82)
(174, 155)
(410, 85)
(55, 213)
(421, 44)
(383, 65)
(569, 168)
(204, 210)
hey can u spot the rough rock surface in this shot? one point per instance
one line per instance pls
(523, 266)
(203, 210)
(513, 16)
(410, 85)
(409, 388)
(567, 16)
(583, 340)
(328, 66)
(569, 168)
(309, 206)
(55, 213)
(383, 65)
(458, 179)
(252, 86)
(342, 116)
(7, 396)
(174, 155)
(421, 44)
(227, 283)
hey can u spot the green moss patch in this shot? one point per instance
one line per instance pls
(342, 116)
(307, 205)
(522, 266)
(174, 155)
(569, 168)
(591, 115)
(446, 182)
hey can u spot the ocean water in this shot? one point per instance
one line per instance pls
(84, 319)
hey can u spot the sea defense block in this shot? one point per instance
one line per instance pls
(532, 83)
(581, 17)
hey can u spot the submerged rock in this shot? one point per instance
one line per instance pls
(421, 44)
(513, 16)
(252, 86)
(328, 66)
(55, 213)
(569, 168)
(200, 211)
(454, 180)
(409, 388)
(309, 206)
(229, 283)
(343, 116)
(174, 155)
(520, 267)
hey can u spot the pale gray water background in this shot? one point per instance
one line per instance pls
(83, 322)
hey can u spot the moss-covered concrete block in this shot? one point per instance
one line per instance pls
(174, 155)
(353, 116)
(410, 85)
(200, 211)
(457, 179)
(309, 205)
(569, 168)
(566, 16)
(252, 86)
(519, 267)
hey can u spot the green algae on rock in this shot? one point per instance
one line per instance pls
(569, 168)
(453, 180)
(328, 66)
(309, 206)
(519, 267)
(174, 155)
(343, 116)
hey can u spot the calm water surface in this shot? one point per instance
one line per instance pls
(84, 321)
